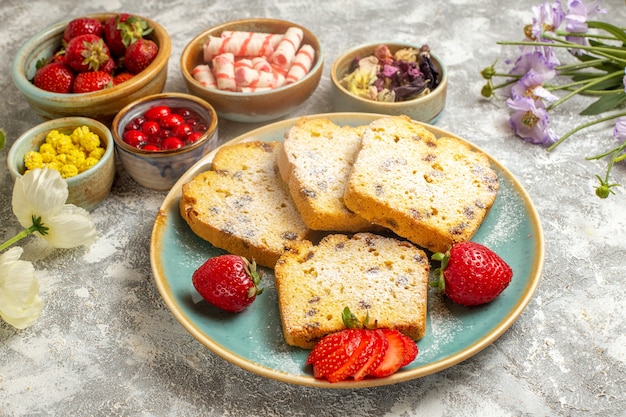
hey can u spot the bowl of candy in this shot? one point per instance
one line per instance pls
(253, 70)
(80, 148)
(81, 67)
(390, 78)
(159, 137)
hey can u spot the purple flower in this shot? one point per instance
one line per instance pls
(620, 129)
(536, 70)
(530, 121)
(389, 70)
(548, 18)
(578, 13)
(576, 20)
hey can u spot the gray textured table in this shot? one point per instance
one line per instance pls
(107, 345)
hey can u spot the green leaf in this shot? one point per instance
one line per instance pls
(607, 27)
(2, 139)
(603, 104)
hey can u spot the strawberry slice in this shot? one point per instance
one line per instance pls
(394, 355)
(327, 345)
(377, 353)
(361, 355)
(410, 350)
(347, 343)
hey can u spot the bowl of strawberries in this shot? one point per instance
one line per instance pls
(92, 66)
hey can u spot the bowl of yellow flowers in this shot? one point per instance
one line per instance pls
(80, 148)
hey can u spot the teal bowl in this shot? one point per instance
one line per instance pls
(87, 189)
(100, 105)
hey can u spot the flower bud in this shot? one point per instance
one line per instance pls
(488, 72)
(603, 191)
(487, 90)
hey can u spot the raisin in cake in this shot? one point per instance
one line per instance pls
(380, 277)
(432, 191)
(242, 205)
(315, 162)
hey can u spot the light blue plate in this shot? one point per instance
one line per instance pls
(253, 339)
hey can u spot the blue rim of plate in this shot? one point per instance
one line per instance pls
(253, 339)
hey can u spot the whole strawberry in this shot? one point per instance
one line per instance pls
(122, 77)
(123, 29)
(87, 82)
(229, 282)
(139, 55)
(83, 26)
(471, 274)
(88, 53)
(55, 77)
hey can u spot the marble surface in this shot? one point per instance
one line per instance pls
(106, 345)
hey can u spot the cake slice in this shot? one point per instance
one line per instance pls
(382, 278)
(432, 191)
(242, 205)
(315, 162)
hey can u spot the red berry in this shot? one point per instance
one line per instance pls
(123, 29)
(55, 77)
(86, 82)
(471, 274)
(171, 120)
(151, 128)
(134, 137)
(157, 112)
(88, 53)
(193, 137)
(139, 55)
(182, 130)
(229, 282)
(150, 147)
(122, 77)
(172, 142)
(83, 26)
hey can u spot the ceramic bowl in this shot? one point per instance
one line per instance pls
(159, 170)
(101, 105)
(86, 189)
(424, 109)
(256, 106)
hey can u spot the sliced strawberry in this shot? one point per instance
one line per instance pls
(327, 345)
(377, 353)
(394, 355)
(347, 342)
(361, 355)
(410, 350)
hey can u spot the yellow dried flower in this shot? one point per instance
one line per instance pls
(87, 139)
(33, 160)
(68, 154)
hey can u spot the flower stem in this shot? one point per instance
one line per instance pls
(21, 235)
(37, 226)
(583, 126)
(584, 87)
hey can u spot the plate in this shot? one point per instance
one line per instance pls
(253, 339)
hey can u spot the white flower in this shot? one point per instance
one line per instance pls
(42, 193)
(20, 304)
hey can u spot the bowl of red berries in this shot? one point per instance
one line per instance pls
(159, 137)
(92, 65)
